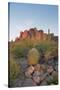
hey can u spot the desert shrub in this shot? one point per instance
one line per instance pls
(53, 81)
(33, 56)
(54, 52)
(14, 71)
(47, 49)
(41, 47)
(19, 52)
(55, 78)
(48, 55)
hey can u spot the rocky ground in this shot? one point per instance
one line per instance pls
(38, 75)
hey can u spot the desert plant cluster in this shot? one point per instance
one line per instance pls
(33, 63)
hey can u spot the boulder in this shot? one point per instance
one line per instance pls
(36, 76)
(29, 82)
(50, 69)
(56, 68)
(55, 74)
(44, 82)
(29, 71)
(43, 67)
(36, 79)
(23, 63)
(37, 67)
(48, 78)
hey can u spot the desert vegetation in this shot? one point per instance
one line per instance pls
(33, 62)
(14, 71)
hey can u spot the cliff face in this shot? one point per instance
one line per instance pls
(33, 33)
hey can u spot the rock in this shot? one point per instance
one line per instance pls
(51, 62)
(50, 69)
(56, 62)
(42, 60)
(43, 67)
(40, 67)
(49, 78)
(43, 76)
(39, 77)
(27, 74)
(56, 68)
(37, 73)
(36, 76)
(23, 63)
(37, 67)
(44, 82)
(55, 74)
(36, 79)
(28, 82)
(29, 71)
(18, 83)
(47, 56)
(53, 78)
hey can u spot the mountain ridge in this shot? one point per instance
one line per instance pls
(34, 33)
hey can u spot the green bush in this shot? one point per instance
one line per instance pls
(54, 81)
(19, 52)
(54, 52)
(14, 71)
(33, 56)
(49, 54)
(47, 49)
(41, 48)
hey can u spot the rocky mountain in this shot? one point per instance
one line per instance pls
(34, 33)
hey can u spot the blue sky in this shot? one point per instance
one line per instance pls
(24, 16)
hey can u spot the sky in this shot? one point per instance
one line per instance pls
(24, 16)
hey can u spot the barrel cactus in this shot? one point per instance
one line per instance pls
(33, 56)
